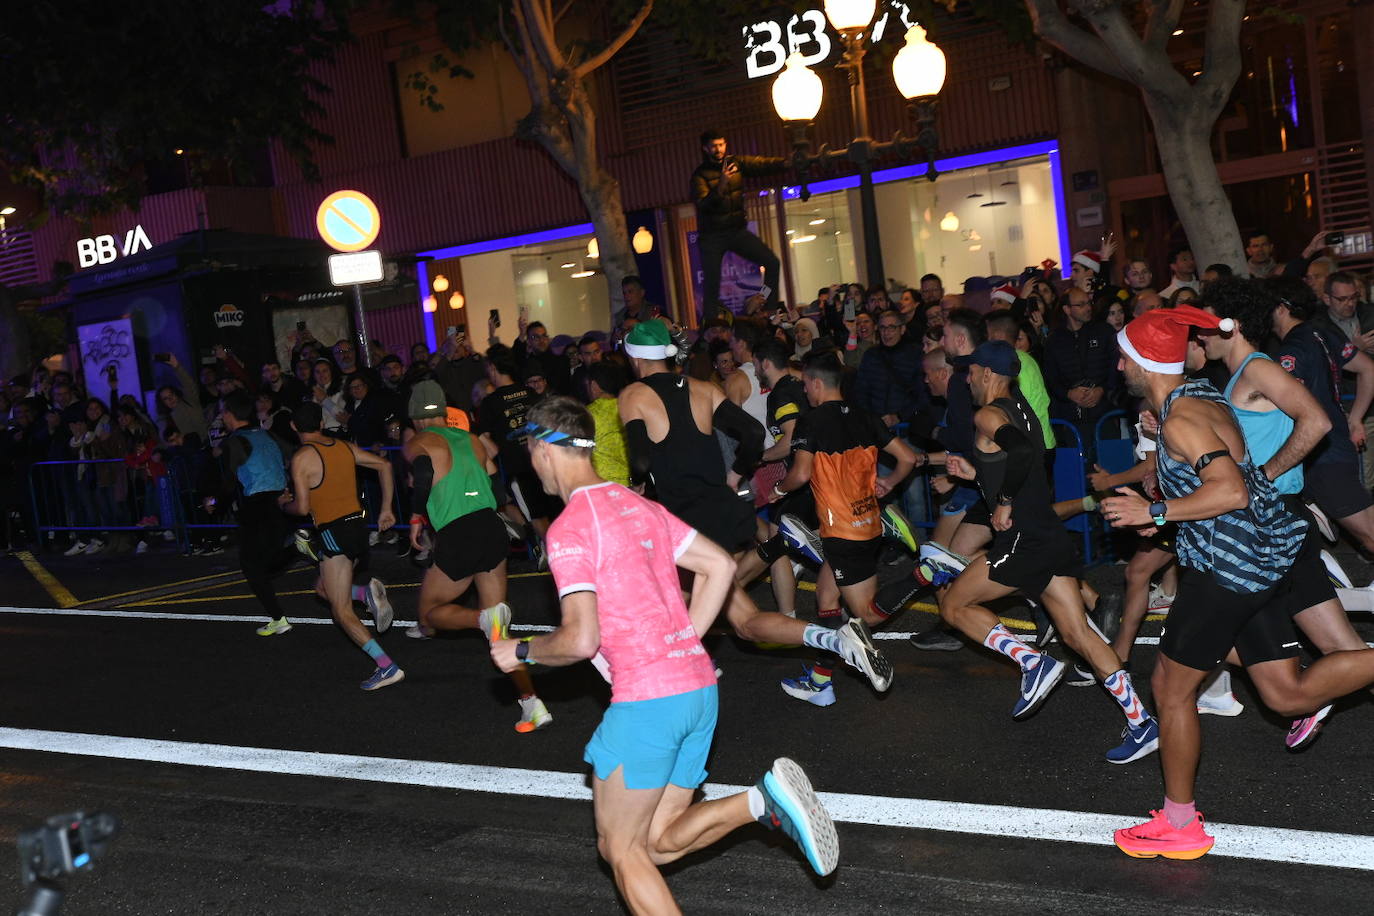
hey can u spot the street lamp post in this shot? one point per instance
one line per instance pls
(919, 71)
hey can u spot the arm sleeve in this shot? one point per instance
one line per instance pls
(637, 449)
(744, 429)
(1020, 457)
(422, 473)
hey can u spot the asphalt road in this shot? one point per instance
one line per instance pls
(292, 791)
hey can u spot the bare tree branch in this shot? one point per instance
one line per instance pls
(563, 11)
(1151, 71)
(505, 36)
(1221, 63)
(1162, 22)
(1054, 29)
(611, 49)
(540, 34)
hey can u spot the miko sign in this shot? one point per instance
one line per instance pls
(348, 221)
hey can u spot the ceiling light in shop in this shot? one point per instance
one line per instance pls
(440, 283)
(430, 305)
(975, 248)
(791, 232)
(568, 265)
(456, 301)
(816, 222)
(643, 241)
(593, 249)
(950, 223)
(8, 211)
(1177, 32)
(582, 274)
(797, 240)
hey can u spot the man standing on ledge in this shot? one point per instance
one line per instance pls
(722, 224)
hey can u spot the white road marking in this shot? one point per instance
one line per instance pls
(1270, 844)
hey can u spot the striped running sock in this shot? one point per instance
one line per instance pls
(818, 637)
(374, 649)
(1119, 685)
(359, 593)
(1000, 639)
(820, 676)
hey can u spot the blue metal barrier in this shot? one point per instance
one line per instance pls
(1071, 481)
(1114, 453)
(99, 496)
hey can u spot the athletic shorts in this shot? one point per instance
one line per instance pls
(471, 544)
(720, 514)
(1027, 561)
(961, 500)
(1336, 488)
(343, 537)
(1206, 620)
(658, 742)
(1307, 581)
(530, 496)
(852, 561)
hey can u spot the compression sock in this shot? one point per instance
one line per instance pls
(1000, 639)
(756, 805)
(1119, 685)
(819, 637)
(820, 674)
(1178, 814)
(359, 593)
(374, 649)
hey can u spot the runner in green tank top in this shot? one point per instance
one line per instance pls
(453, 494)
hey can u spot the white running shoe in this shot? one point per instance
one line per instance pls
(1160, 601)
(494, 621)
(1334, 571)
(96, 545)
(1323, 523)
(1217, 699)
(78, 547)
(856, 646)
(378, 604)
(534, 715)
(801, 538)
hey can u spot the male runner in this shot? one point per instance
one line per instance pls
(1030, 553)
(324, 477)
(615, 557)
(1236, 546)
(670, 423)
(501, 417)
(452, 493)
(1282, 422)
(836, 453)
(255, 474)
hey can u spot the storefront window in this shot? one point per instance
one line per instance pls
(989, 220)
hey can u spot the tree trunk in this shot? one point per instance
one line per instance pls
(601, 196)
(1199, 198)
(14, 338)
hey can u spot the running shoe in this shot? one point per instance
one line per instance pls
(539, 555)
(534, 715)
(306, 545)
(1334, 572)
(1036, 685)
(95, 545)
(801, 538)
(1080, 676)
(141, 548)
(898, 528)
(513, 531)
(274, 627)
(494, 622)
(1044, 626)
(382, 677)
(373, 538)
(897, 595)
(937, 565)
(791, 805)
(1136, 741)
(937, 639)
(1158, 837)
(1160, 601)
(418, 631)
(804, 688)
(1305, 730)
(1224, 705)
(856, 646)
(1106, 616)
(375, 597)
(78, 547)
(1323, 523)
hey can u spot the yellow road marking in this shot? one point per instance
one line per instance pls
(139, 591)
(56, 590)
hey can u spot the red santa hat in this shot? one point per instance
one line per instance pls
(1006, 293)
(1158, 340)
(1089, 259)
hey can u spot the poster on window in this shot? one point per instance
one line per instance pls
(108, 358)
(739, 278)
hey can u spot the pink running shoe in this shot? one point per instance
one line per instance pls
(1158, 837)
(1304, 731)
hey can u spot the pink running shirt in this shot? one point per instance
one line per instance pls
(614, 542)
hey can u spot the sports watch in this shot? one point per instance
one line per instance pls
(1158, 511)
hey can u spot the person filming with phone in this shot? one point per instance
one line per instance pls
(722, 224)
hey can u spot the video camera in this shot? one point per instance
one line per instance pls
(63, 845)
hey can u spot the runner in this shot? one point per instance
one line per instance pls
(1236, 545)
(835, 452)
(255, 476)
(1030, 553)
(324, 476)
(670, 423)
(615, 558)
(452, 493)
(1282, 422)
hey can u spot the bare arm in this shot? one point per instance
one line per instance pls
(489, 447)
(798, 477)
(1310, 422)
(906, 461)
(781, 448)
(715, 571)
(577, 638)
(1363, 367)
(300, 486)
(737, 388)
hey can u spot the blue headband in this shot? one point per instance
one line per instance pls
(552, 436)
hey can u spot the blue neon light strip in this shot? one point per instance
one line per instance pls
(513, 241)
(422, 277)
(1061, 207)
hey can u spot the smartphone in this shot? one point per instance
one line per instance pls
(1335, 238)
(300, 325)
(524, 313)
(495, 318)
(849, 310)
(451, 331)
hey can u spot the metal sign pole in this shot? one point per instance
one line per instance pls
(363, 341)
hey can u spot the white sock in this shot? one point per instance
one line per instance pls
(1217, 685)
(755, 802)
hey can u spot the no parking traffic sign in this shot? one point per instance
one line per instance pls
(348, 221)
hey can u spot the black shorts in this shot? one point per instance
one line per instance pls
(721, 515)
(530, 496)
(1027, 561)
(1307, 581)
(471, 544)
(800, 502)
(1337, 488)
(343, 537)
(852, 562)
(1207, 620)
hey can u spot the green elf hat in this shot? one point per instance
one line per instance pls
(650, 340)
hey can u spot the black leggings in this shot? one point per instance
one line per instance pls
(264, 551)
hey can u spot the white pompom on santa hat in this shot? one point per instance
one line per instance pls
(1004, 293)
(1089, 259)
(1158, 340)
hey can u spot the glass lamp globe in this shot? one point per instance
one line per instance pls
(850, 14)
(797, 92)
(919, 68)
(643, 240)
